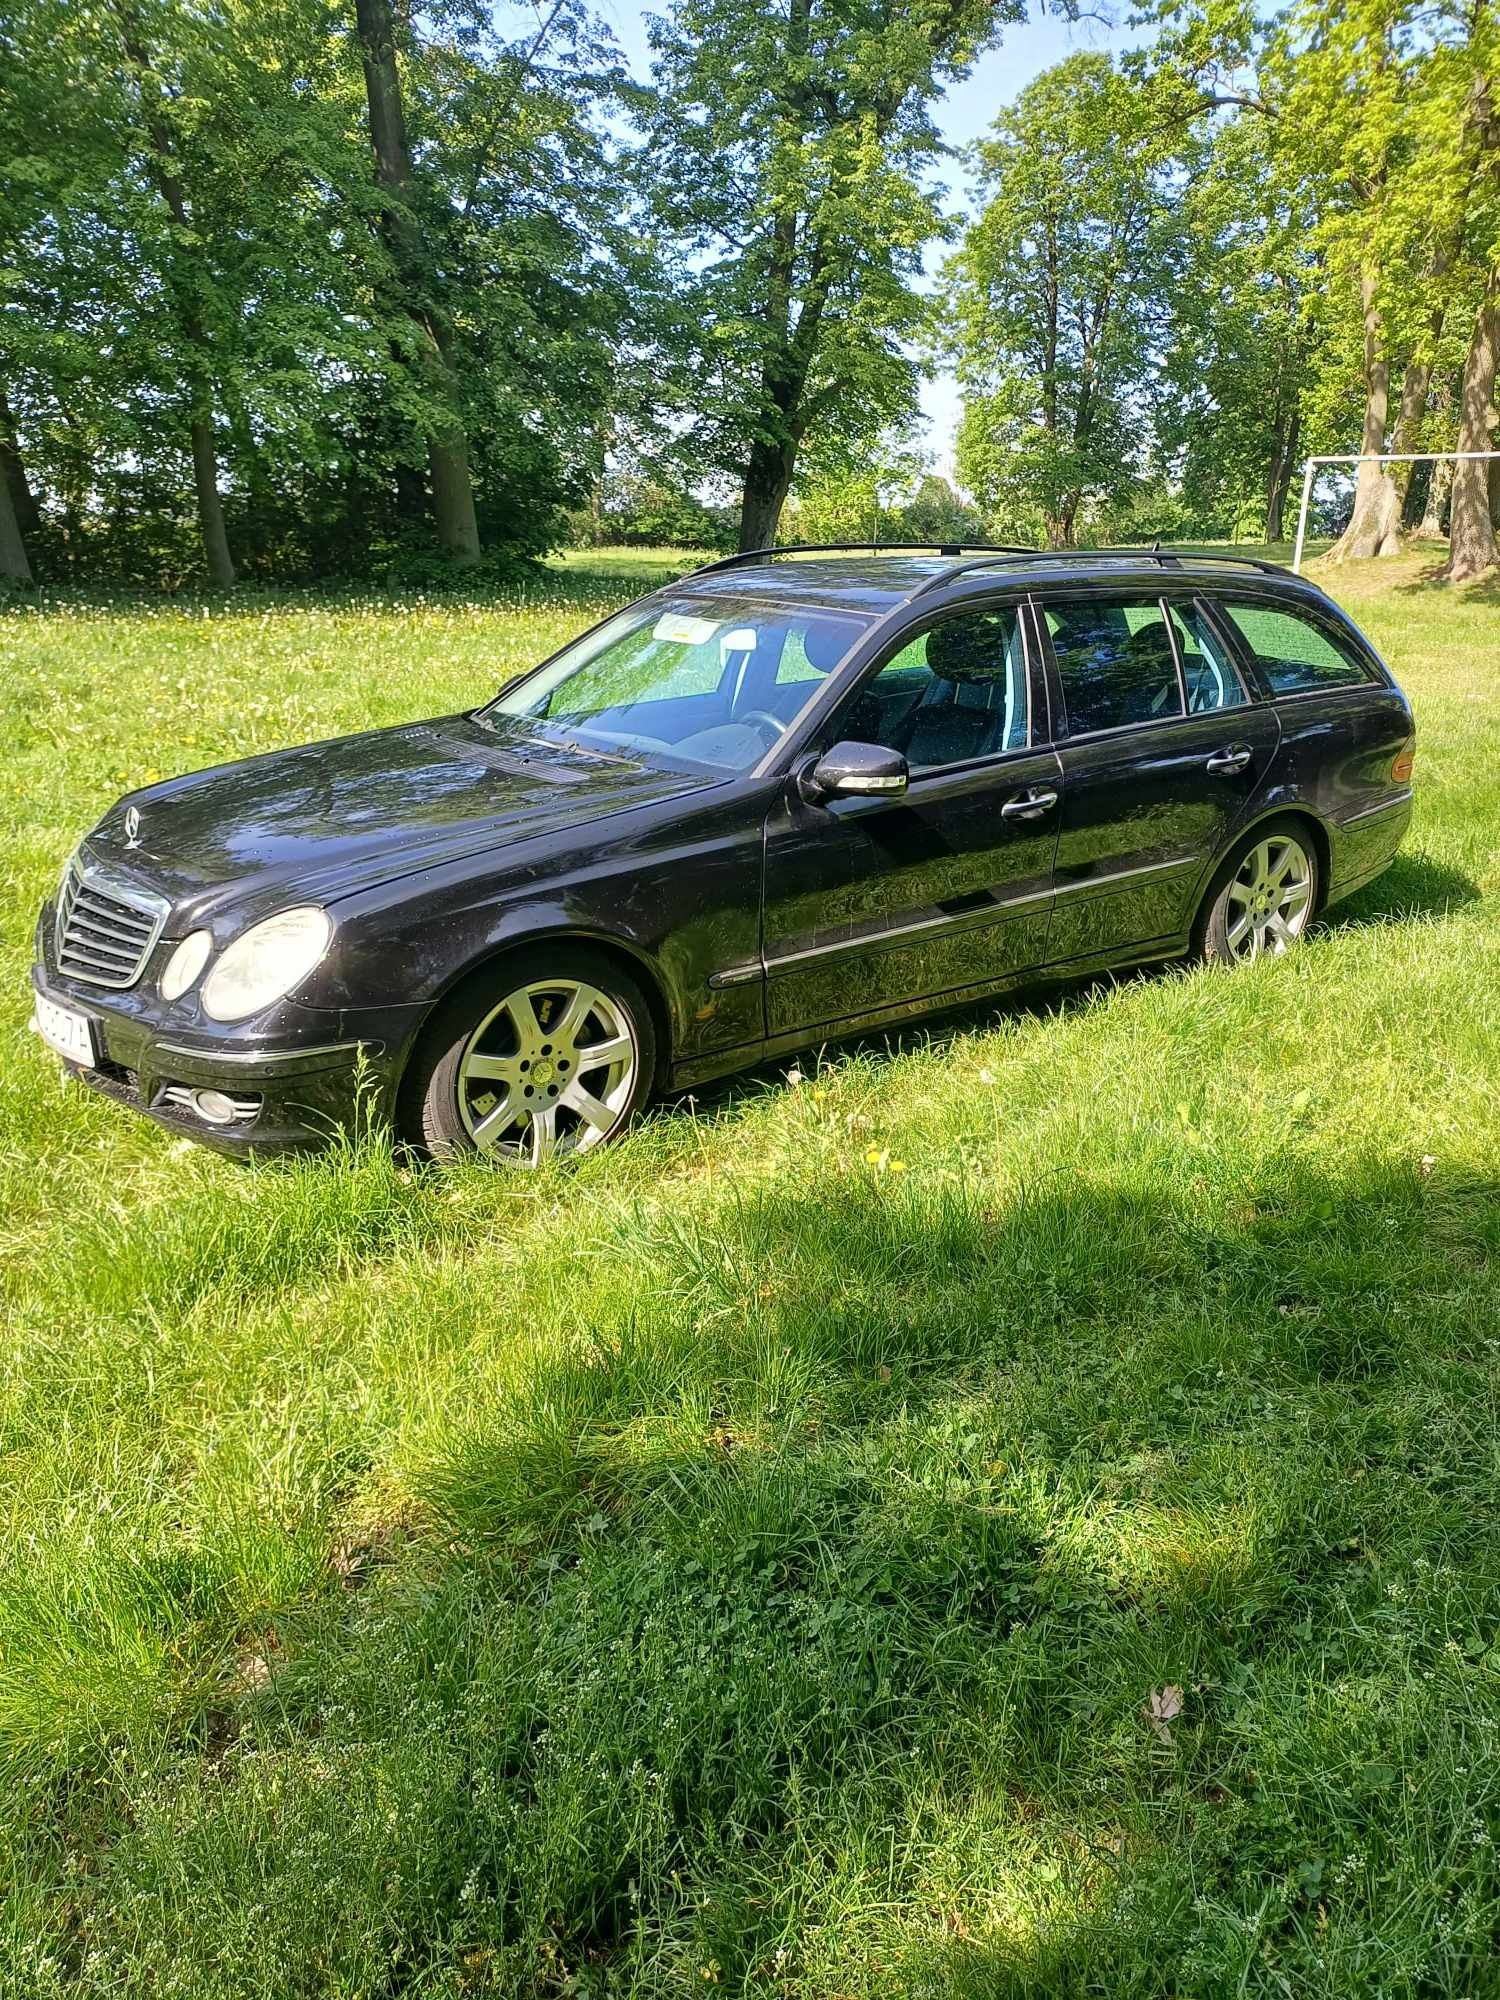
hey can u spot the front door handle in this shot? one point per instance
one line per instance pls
(1032, 806)
(1235, 758)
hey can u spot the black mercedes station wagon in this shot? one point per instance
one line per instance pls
(795, 795)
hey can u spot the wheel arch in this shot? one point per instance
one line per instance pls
(1297, 810)
(630, 957)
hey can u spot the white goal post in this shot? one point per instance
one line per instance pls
(1364, 458)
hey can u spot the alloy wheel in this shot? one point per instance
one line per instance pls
(550, 1070)
(1270, 898)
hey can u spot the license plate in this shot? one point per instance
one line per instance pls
(69, 1033)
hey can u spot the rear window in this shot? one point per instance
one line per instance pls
(1294, 654)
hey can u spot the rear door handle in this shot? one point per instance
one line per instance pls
(1235, 758)
(1032, 806)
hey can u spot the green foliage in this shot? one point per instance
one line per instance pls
(1230, 401)
(1059, 303)
(893, 500)
(275, 294)
(791, 155)
(746, 1560)
(650, 508)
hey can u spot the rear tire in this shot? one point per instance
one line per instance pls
(546, 1051)
(1263, 898)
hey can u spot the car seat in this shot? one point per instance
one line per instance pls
(974, 704)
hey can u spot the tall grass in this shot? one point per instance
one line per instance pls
(746, 1561)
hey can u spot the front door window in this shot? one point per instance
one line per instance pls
(954, 693)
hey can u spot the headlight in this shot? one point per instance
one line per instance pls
(185, 964)
(268, 961)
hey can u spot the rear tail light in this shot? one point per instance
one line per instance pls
(1402, 768)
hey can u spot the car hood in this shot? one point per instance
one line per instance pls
(327, 819)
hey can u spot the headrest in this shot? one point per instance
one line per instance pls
(1151, 643)
(1080, 627)
(824, 646)
(971, 651)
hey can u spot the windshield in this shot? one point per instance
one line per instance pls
(699, 682)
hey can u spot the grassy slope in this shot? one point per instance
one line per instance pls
(744, 1560)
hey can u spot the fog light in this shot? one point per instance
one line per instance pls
(216, 1107)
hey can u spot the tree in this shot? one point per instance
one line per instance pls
(1059, 315)
(936, 513)
(1345, 75)
(838, 503)
(264, 302)
(1377, 109)
(791, 147)
(1472, 547)
(182, 273)
(413, 285)
(1230, 401)
(1471, 532)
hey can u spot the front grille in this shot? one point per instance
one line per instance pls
(105, 931)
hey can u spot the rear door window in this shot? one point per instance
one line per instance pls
(1295, 655)
(1115, 662)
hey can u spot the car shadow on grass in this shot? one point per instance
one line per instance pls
(1413, 886)
(798, 1616)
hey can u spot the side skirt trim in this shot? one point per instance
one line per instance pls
(725, 1062)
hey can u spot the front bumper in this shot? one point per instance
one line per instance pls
(290, 1099)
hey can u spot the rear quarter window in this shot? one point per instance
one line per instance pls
(1294, 654)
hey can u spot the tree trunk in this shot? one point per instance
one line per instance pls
(1285, 439)
(1434, 522)
(768, 480)
(1375, 527)
(1059, 524)
(163, 170)
(13, 472)
(1416, 387)
(1472, 547)
(1408, 433)
(453, 495)
(14, 565)
(210, 506)
(447, 445)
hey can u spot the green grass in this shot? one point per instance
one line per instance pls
(745, 1561)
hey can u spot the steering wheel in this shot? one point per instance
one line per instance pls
(754, 717)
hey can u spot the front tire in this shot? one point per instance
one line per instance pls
(545, 1053)
(1264, 898)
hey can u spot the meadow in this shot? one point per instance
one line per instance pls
(1013, 1509)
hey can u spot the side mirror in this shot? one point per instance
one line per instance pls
(854, 771)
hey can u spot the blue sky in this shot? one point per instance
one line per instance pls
(965, 115)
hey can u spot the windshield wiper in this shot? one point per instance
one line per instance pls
(588, 750)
